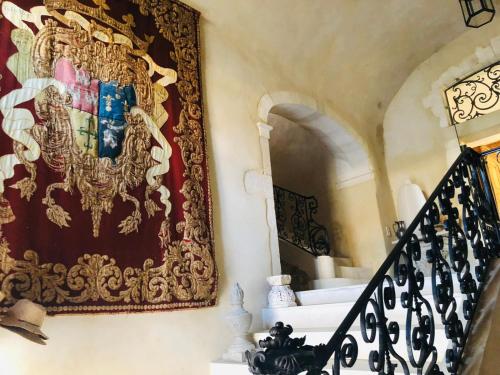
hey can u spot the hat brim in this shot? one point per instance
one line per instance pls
(12, 322)
(27, 335)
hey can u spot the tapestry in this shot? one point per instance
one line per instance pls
(104, 193)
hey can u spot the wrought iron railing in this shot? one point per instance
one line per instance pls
(457, 279)
(296, 224)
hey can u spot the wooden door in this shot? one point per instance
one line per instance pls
(493, 169)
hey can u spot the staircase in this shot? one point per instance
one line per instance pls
(302, 240)
(406, 320)
(318, 318)
(319, 314)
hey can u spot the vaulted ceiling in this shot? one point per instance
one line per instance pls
(352, 54)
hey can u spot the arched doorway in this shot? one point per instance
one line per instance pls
(311, 154)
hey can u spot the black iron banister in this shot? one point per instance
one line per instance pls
(296, 224)
(393, 255)
(479, 230)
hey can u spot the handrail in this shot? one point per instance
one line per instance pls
(298, 227)
(388, 263)
(476, 228)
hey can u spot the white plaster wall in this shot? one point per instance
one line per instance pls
(182, 342)
(416, 147)
(357, 226)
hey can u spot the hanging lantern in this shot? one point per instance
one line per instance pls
(477, 12)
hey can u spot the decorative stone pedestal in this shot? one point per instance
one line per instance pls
(239, 321)
(280, 295)
(325, 267)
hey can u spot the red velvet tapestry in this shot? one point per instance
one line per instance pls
(104, 194)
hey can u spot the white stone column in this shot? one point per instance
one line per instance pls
(261, 182)
(325, 267)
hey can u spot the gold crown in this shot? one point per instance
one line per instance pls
(99, 13)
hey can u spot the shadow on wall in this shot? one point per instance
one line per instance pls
(302, 163)
(314, 156)
(311, 153)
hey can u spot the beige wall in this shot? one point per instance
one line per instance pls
(356, 214)
(416, 147)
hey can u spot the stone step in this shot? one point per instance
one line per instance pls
(363, 273)
(332, 315)
(351, 293)
(337, 282)
(342, 262)
(336, 294)
(328, 307)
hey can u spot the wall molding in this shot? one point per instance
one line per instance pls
(260, 182)
(356, 180)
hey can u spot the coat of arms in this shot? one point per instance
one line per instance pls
(88, 110)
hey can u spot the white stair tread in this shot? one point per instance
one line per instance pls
(351, 293)
(332, 314)
(337, 282)
(342, 293)
(354, 272)
(221, 367)
(319, 316)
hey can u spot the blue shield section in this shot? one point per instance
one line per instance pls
(114, 102)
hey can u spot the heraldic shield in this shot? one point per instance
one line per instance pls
(104, 193)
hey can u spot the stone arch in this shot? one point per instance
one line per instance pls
(318, 117)
(354, 160)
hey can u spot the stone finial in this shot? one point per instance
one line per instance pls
(237, 295)
(239, 321)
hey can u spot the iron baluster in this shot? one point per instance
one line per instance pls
(459, 267)
(296, 223)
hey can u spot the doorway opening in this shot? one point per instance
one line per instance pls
(324, 198)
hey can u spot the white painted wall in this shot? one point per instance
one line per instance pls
(416, 146)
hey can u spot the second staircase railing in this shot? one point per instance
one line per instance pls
(296, 223)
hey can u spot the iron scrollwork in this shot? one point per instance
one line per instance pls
(284, 355)
(295, 221)
(447, 299)
(475, 95)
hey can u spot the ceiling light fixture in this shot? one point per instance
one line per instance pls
(477, 12)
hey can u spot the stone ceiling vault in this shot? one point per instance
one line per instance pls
(353, 54)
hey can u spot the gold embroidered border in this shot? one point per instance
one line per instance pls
(186, 275)
(99, 13)
(123, 308)
(188, 271)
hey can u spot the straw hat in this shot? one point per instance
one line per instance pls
(26, 318)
